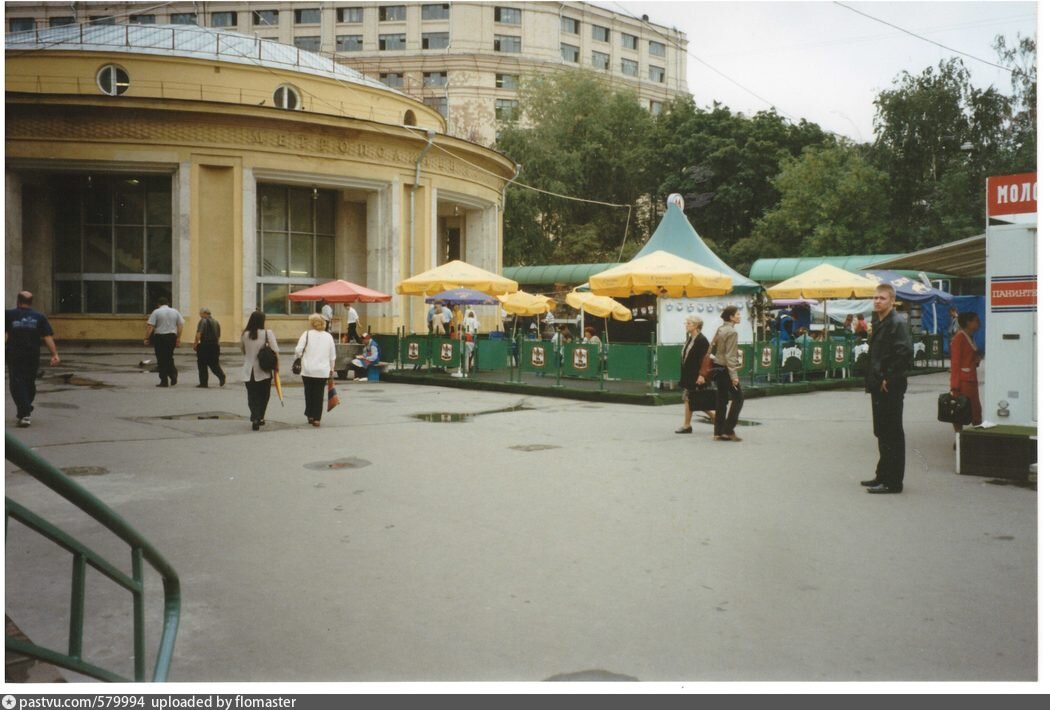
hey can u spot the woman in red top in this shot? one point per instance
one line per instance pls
(965, 360)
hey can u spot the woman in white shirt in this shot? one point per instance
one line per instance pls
(256, 379)
(317, 349)
(470, 334)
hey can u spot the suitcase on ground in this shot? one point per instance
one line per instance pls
(953, 409)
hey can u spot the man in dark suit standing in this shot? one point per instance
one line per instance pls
(889, 353)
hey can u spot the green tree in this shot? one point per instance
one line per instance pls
(832, 202)
(584, 140)
(1022, 129)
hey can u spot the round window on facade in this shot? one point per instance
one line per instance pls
(286, 97)
(113, 80)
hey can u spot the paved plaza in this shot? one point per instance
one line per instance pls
(436, 534)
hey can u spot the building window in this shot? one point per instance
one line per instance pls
(224, 19)
(21, 24)
(113, 80)
(435, 78)
(392, 13)
(349, 43)
(506, 81)
(599, 33)
(657, 49)
(570, 25)
(104, 20)
(350, 14)
(570, 53)
(310, 16)
(286, 97)
(438, 103)
(629, 41)
(391, 42)
(629, 67)
(296, 244)
(656, 107)
(310, 43)
(112, 243)
(142, 20)
(508, 44)
(61, 21)
(508, 15)
(264, 17)
(507, 110)
(656, 74)
(434, 11)
(435, 40)
(184, 18)
(393, 80)
(600, 60)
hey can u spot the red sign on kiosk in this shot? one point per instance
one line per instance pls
(1012, 194)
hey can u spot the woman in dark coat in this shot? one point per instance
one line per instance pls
(693, 351)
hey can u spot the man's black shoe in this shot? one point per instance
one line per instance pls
(869, 484)
(174, 378)
(883, 488)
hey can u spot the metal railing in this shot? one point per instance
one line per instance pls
(83, 556)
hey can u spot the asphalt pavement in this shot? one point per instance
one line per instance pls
(435, 534)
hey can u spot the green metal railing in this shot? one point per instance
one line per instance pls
(83, 556)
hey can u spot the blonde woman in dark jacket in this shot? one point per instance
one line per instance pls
(726, 377)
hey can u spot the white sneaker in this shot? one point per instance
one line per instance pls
(24, 422)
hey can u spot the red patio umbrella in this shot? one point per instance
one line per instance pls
(339, 291)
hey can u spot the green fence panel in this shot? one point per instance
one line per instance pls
(669, 362)
(746, 353)
(415, 350)
(791, 359)
(492, 354)
(766, 363)
(629, 361)
(838, 354)
(445, 352)
(816, 357)
(389, 346)
(538, 356)
(581, 360)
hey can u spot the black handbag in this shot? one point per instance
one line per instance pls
(953, 409)
(267, 357)
(297, 364)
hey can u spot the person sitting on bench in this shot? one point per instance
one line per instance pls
(369, 356)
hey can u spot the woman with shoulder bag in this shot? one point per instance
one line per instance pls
(256, 339)
(316, 349)
(725, 375)
(693, 352)
(965, 359)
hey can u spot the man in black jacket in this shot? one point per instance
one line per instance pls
(889, 353)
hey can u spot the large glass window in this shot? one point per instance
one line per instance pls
(570, 25)
(506, 81)
(629, 41)
(600, 60)
(308, 16)
(508, 44)
(310, 43)
(264, 17)
(61, 21)
(350, 14)
(224, 19)
(184, 18)
(296, 243)
(629, 67)
(656, 74)
(506, 110)
(391, 42)
(439, 103)
(392, 13)
(599, 33)
(435, 40)
(113, 80)
(349, 43)
(508, 15)
(395, 80)
(436, 11)
(657, 49)
(113, 243)
(142, 20)
(570, 53)
(435, 78)
(21, 24)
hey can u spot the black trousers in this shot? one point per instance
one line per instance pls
(729, 397)
(164, 349)
(22, 375)
(208, 359)
(314, 391)
(887, 417)
(258, 397)
(351, 333)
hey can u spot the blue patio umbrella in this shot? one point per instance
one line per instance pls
(908, 289)
(463, 297)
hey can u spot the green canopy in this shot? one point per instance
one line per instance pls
(675, 235)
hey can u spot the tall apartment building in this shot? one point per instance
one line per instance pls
(465, 59)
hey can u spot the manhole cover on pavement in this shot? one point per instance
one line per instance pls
(534, 447)
(337, 464)
(204, 415)
(84, 470)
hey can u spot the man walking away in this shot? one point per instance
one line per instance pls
(24, 328)
(206, 343)
(326, 313)
(889, 353)
(164, 331)
(351, 325)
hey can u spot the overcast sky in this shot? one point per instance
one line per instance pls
(822, 62)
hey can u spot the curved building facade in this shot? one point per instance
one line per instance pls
(224, 171)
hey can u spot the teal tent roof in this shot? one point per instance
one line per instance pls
(777, 270)
(676, 236)
(574, 274)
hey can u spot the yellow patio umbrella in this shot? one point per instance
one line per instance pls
(662, 273)
(601, 306)
(521, 303)
(823, 282)
(456, 274)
